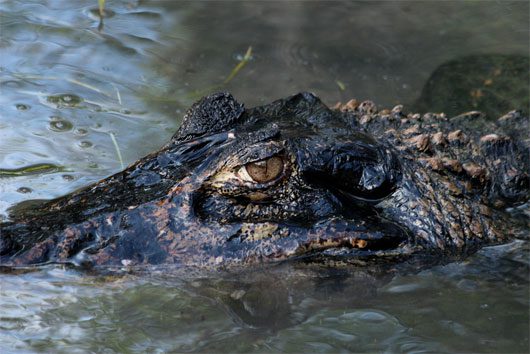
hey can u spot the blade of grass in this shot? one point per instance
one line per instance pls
(246, 58)
(117, 94)
(239, 65)
(90, 87)
(101, 6)
(116, 146)
(72, 81)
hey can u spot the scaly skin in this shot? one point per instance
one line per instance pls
(461, 171)
(290, 180)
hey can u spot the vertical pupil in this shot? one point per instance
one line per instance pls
(265, 170)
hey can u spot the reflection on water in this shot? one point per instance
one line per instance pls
(68, 89)
(477, 306)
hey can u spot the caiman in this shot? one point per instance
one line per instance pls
(291, 180)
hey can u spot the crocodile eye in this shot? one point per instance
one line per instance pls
(265, 170)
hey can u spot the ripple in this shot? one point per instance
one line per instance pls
(22, 107)
(94, 14)
(146, 14)
(295, 54)
(64, 100)
(59, 124)
(81, 131)
(24, 190)
(404, 288)
(372, 316)
(85, 144)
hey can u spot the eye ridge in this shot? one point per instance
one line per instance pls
(264, 171)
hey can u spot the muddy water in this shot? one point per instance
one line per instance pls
(81, 98)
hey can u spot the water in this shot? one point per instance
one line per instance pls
(69, 84)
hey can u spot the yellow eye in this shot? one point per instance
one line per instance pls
(263, 171)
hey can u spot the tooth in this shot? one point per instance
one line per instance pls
(362, 243)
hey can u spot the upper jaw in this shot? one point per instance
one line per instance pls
(332, 237)
(356, 239)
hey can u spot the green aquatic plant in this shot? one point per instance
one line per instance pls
(239, 66)
(101, 8)
(341, 85)
(31, 170)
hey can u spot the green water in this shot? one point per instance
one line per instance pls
(76, 95)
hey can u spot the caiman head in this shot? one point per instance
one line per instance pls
(289, 180)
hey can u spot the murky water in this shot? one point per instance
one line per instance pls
(80, 99)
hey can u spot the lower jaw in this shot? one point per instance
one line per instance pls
(356, 256)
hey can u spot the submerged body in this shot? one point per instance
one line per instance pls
(293, 179)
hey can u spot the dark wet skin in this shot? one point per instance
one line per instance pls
(293, 179)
